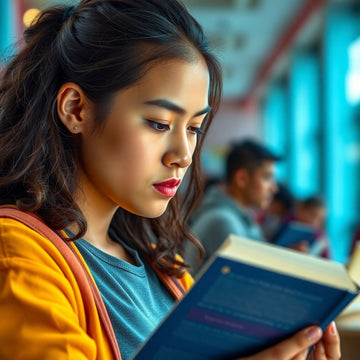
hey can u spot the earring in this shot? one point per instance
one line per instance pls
(75, 128)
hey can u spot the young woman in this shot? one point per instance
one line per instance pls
(102, 112)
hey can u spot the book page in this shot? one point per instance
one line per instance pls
(350, 317)
(354, 264)
(287, 261)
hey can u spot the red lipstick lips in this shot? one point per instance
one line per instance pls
(167, 188)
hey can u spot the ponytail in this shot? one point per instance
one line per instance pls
(34, 144)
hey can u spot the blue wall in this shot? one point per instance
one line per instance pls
(275, 127)
(7, 27)
(304, 119)
(308, 117)
(341, 131)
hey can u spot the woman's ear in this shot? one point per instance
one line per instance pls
(72, 107)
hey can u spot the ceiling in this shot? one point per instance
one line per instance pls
(250, 37)
(243, 34)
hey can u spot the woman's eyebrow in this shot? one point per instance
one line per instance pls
(168, 105)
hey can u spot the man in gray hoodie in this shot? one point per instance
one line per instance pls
(228, 208)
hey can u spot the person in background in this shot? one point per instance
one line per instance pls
(310, 211)
(249, 185)
(101, 115)
(355, 241)
(279, 209)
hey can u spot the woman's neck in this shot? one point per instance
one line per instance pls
(98, 214)
(97, 234)
(98, 211)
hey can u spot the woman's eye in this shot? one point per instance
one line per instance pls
(158, 126)
(196, 130)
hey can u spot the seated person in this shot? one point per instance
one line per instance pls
(311, 212)
(280, 208)
(228, 208)
(355, 241)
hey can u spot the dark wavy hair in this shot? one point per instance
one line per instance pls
(103, 46)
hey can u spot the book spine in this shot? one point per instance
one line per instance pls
(347, 298)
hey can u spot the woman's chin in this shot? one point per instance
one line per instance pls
(155, 214)
(149, 212)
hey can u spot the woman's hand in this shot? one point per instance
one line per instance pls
(328, 348)
(296, 347)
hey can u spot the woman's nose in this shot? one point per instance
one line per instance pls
(179, 152)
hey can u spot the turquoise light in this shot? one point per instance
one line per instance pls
(7, 28)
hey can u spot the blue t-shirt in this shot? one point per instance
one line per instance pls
(135, 298)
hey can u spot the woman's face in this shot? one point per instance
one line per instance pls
(139, 158)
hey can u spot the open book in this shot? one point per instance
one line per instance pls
(350, 317)
(249, 296)
(294, 232)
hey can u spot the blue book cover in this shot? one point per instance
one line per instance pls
(239, 307)
(294, 232)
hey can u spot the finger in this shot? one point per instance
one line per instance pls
(301, 356)
(331, 341)
(319, 351)
(295, 346)
(310, 356)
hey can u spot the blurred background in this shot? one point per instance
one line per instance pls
(291, 79)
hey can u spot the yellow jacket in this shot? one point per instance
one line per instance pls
(42, 313)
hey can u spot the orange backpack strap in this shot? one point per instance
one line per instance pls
(88, 289)
(173, 285)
